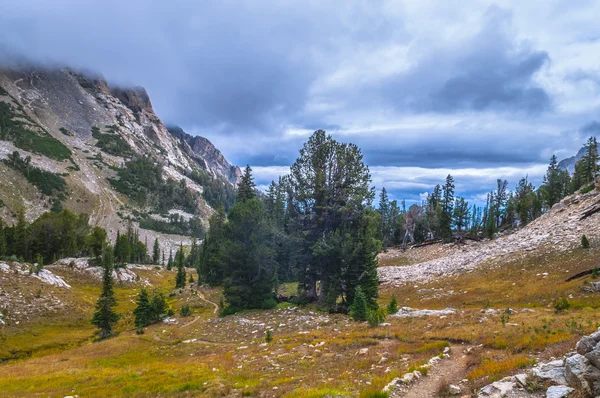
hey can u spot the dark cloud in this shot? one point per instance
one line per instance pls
(591, 128)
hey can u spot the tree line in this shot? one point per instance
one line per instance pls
(446, 216)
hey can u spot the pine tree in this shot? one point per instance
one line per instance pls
(212, 256)
(392, 306)
(250, 265)
(105, 317)
(180, 278)
(585, 243)
(21, 236)
(156, 252)
(2, 239)
(461, 214)
(170, 262)
(143, 311)
(384, 211)
(447, 209)
(359, 310)
(246, 187)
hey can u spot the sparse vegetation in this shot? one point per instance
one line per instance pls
(561, 305)
(112, 142)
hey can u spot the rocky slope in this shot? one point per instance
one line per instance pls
(560, 229)
(63, 108)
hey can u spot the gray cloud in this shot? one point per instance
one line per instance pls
(412, 83)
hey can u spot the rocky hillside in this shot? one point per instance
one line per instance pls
(79, 129)
(560, 230)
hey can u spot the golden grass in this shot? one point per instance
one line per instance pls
(494, 368)
(65, 361)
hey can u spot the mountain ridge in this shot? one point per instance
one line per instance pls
(79, 128)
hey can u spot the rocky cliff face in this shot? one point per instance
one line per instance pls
(203, 151)
(63, 108)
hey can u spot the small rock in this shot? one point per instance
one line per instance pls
(454, 390)
(521, 379)
(363, 351)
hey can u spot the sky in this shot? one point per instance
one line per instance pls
(477, 89)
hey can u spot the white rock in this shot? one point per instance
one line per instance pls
(559, 392)
(454, 390)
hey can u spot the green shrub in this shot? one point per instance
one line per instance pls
(561, 305)
(185, 310)
(392, 306)
(268, 336)
(585, 243)
(376, 317)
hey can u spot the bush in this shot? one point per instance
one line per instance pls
(268, 336)
(375, 317)
(392, 306)
(585, 243)
(561, 305)
(268, 304)
(185, 310)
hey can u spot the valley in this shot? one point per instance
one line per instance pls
(48, 348)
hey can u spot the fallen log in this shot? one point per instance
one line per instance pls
(593, 210)
(582, 274)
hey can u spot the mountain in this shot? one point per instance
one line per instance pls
(569, 163)
(88, 146)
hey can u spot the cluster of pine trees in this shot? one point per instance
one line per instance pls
(51, 237)
(316, 227)
(444, 216)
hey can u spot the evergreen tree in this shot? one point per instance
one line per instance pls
(156, 252)
(556, 184)
(385, 229)
(586, 169)
(359, 310)
(447, 209)
(329, 195)
(392, 306)
(2, 239)
(250, 266)
(21, 236)
(105, 317)
(123, 249)
(158, 303)
(461, 214)
(212, 257)
(143, 311)
(170, 262)
(526, 201)
(180, 278)
(246, 187)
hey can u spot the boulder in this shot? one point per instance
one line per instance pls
(585, 345)
(593, 355)
(554, 372)
(559, 392)
(575, 367)
(596, 336)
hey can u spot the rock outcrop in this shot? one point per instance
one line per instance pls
(577, 372)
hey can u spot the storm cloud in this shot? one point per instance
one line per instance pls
(425, 88)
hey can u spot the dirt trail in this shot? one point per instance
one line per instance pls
(448, 371)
